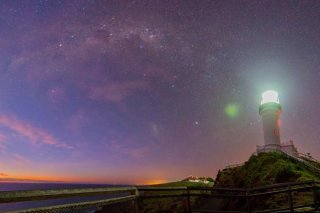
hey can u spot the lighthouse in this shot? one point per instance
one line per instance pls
(270, 111)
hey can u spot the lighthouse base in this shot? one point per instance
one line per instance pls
(286, 147)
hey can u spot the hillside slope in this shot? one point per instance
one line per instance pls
(265, 169)
(261, 170)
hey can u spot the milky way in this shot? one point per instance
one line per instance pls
(141, 91)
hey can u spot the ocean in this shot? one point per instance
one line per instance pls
(37, 186)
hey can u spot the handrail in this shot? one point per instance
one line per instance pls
(234, 193)
(281, 185)
(218, 189)
(234, 165)
(29, 195)
(316, 169)
(79, 205)
(160, 188)
(39, 195)
(309, 157)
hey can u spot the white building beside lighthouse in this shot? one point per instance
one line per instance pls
(270, 111)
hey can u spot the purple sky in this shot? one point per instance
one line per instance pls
(136, 91)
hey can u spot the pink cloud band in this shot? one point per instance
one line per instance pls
(33, 134)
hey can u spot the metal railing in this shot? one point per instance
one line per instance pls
(251, 197)
(120, 195)
(290, 197)
(231, 166)
(306, 163)
(308, 157)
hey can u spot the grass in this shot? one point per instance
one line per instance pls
(183, 183)
(265, 169)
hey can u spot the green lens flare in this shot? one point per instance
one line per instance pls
(232, 110)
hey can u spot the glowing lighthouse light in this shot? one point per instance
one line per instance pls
(270, 96)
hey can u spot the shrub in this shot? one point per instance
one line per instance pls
(283, 172)
(210, 179)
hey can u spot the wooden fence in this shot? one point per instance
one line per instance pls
(293, 197)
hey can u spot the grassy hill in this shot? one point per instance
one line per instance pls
(265, 169)
(260, 170)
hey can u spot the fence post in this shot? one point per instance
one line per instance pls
(290, 199)
(188, 200)
(248, 201)
(136, 201)
(315, 200)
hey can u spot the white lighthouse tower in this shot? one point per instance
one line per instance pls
(270, 111)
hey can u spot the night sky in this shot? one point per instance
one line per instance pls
(148, 91)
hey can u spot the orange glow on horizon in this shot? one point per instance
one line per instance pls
(154, 182)
(91, 180)
(13, 178)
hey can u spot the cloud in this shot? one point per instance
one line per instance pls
(3, 137)
(3, 174)
(33, 134)
(3, 140)
(83, 52)
(56, 94)
(135, 152)
(21, 160)
(8, 179)
(114, 91)
(77, 121)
